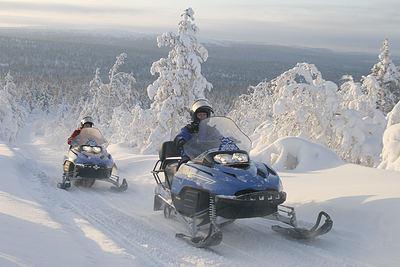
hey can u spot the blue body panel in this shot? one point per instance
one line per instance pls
(102, 161)
(224, 180)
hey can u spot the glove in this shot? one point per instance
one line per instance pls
(180, 143)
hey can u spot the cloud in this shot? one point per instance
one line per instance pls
(66, 8)
(355, 25)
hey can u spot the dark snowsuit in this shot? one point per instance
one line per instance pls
(184, 136)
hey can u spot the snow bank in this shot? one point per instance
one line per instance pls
(295, 153)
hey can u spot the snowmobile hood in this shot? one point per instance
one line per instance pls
(102, 160)
(225, 180)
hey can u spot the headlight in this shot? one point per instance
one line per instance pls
(92, 149)
(87, 148)
(231, 158)
(223, 158)
(96, 149)
(240, 157)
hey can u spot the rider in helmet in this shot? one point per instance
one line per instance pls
(85, 123)
(201, 109)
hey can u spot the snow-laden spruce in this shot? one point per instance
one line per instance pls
(180, 81)
(391, 141)
(359, 124)
(12, 111)
(388, 77)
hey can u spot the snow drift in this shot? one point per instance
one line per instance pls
(295, 153)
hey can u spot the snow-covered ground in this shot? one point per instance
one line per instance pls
(41, 225)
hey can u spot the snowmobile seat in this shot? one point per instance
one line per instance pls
(168, 160)
(168, 154)
(169, 157)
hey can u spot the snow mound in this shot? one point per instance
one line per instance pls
(295, 153)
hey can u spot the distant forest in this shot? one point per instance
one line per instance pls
(67, 60)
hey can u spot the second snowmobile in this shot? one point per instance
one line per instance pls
(221, 184)
(88, 160)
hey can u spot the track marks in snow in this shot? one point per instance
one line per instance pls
(126, 223)
(137, 238)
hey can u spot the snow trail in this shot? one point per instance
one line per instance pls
(102, 228)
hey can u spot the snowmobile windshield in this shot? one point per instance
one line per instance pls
(217, 134)
(91, 137)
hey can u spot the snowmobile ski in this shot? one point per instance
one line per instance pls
(213, 238)
(65, 184)
(120, 188)
(302, 233)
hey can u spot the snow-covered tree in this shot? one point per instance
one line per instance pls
(12, 113)
(131, 127)
(305, 106)
(105, 98)
(300, 102)
(250, 110)
(358, 124)
(180, 81)
(388, 77)
(6, 117)
(44, 99)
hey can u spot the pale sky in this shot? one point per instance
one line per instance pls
(357, 25)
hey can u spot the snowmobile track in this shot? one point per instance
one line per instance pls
(138, 237)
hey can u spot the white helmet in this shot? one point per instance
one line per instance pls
(87, 119)
(200, 105)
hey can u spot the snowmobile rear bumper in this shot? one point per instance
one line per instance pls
(257, 204)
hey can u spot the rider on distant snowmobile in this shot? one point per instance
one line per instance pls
(200, 110)
(85, 123)
(87, 159)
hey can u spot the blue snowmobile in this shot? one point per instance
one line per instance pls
(88, 160)
(221, 184)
